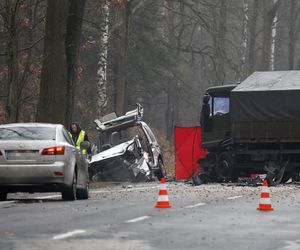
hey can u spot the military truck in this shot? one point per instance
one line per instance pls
(253, 127)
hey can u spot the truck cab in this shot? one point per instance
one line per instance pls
(215, 116)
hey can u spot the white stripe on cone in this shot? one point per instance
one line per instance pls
(265, 201)
(162, 198)
(265, 189)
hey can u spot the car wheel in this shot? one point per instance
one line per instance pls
(82, 193)
(3, 196)
(161, 173)
(69, 194)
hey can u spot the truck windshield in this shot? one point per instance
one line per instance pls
(221, 105)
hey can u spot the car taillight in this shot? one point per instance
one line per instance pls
(60, 150)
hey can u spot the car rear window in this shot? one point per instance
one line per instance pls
(27, 133)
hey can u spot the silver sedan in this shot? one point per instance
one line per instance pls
(37, 157)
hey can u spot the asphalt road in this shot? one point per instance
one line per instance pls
(123, 217)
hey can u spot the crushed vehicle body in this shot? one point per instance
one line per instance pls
(127, 149)
(253, 127)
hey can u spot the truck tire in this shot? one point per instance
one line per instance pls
(226, 169)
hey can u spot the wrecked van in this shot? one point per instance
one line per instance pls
(127, 149)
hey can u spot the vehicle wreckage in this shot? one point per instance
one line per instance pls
(127, 149)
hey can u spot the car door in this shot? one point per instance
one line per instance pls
(155, 148)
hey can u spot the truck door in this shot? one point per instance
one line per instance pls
(215, 119)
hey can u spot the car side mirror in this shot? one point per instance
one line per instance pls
(85, 145)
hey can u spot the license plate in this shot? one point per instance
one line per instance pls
(21, 154)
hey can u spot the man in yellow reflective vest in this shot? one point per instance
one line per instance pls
(78, 136)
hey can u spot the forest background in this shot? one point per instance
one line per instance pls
(77, 60)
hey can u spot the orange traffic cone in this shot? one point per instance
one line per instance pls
(163, 199)
(265, 202)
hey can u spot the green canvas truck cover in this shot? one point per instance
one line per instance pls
(272, 96)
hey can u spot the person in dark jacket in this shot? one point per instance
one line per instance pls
(78, 135)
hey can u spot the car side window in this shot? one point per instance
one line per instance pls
(67, 137)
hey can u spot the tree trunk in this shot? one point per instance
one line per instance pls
(292, 31)
(62, 41)
(102, 64)
(252, 37)
(273, 41)
(220, 43)
(171, 109)
(53, 102)
(74, 24)
(120, 84)
(171, 87)
(269, 10)
(244, 44)
(12, 61)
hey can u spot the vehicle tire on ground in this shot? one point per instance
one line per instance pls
(296, 176)
(275, 173)
(69, 194)
(82, 193)
(226, 169)
(3, 196)
(286, 176)
(200, 179)
(161, 173)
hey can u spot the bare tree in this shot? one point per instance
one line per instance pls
(120, 84)
(245, 37)
(12, 8)
(62, 38)
(102, 64)
(252, 36)
(270, 9)
(73, 35)
(293, 28)
(220, 40)
(172, 84)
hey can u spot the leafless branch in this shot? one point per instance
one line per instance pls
(32, 45)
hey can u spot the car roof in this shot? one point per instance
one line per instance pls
(112, 122)
(31, 124)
